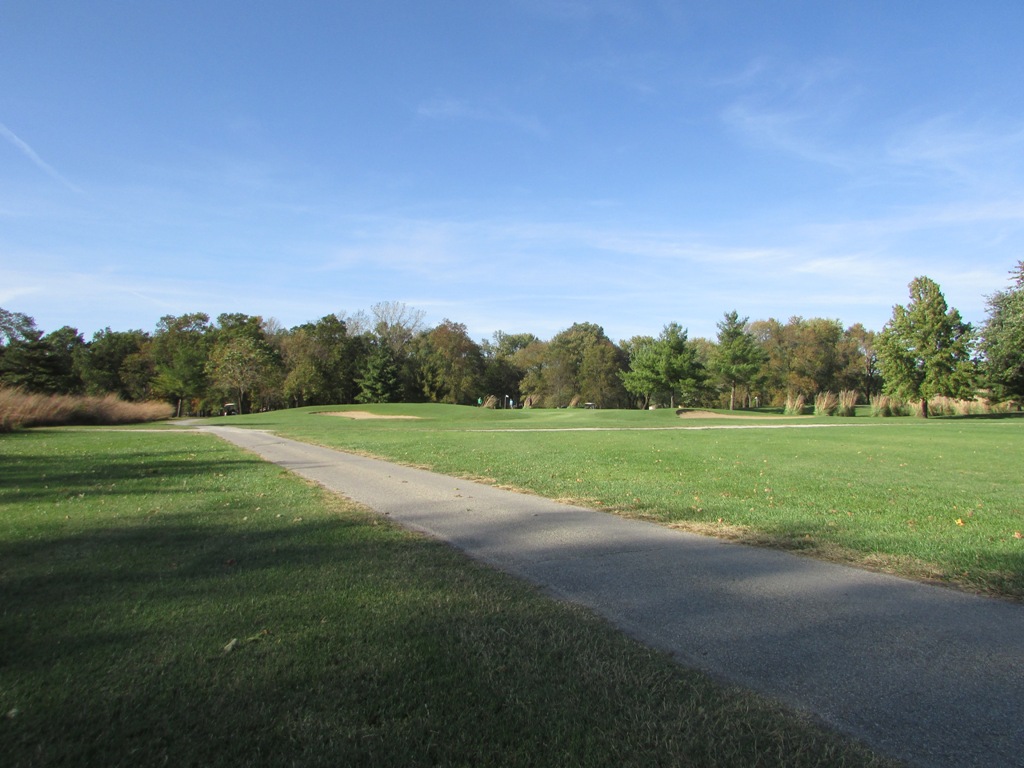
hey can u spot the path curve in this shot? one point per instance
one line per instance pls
(925, 674)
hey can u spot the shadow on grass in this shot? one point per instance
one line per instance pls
(986, 416)
(335, 641)
(293, 629)
(37, 476)
(113, 646)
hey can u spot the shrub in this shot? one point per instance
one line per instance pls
(825, 404)
(20, 410)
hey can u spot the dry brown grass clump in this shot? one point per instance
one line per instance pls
(847, 403)
(794, 405)
(826, 404)
(885, 406)
(948, 406)
(20, 410)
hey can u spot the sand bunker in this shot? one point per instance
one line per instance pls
(687, 414)
(365, 415)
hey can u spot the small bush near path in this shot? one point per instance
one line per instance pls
(20, 410)
(168, 599)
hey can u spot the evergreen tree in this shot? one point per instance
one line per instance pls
(665, 369)
(738, 357)
(1002, 341)
(381, 381)
(925, 349)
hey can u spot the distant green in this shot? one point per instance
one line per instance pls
(166, 599)
(939, 499)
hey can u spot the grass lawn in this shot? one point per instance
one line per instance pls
(168, 599)
(939, 499)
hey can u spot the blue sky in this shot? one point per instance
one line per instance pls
(515, 165)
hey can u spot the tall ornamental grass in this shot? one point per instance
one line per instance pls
(20, 410)
(826, 404)
(795, 405)
(886, 406)
(948, 406)
(847, 403)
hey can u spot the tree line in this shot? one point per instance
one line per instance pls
(389, 355)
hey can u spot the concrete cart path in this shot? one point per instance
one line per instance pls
(922, 673)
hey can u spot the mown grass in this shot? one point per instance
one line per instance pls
(941, 499)
(168, 599)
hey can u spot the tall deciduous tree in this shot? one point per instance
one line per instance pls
(806, 356)
(240, 365)
(323, 362)
(104, 362)
(578, 362)
(62, 347)
(244, 339)
(179, 351)
(452, 364)
(16, 326)
(925, 348)
(35, 362)
(1002, 341)
(532, 360)
(503, 374)
(599, 377)
(738, 357)
(396, 324)
(863, 368)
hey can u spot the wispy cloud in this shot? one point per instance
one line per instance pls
(459, 109)
(31, 154)
(941, 145)
(797, 109)
(792, 131)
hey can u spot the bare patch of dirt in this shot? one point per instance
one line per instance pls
(366, 415)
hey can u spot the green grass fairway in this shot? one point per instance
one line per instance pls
(939, 499)
(166, 599)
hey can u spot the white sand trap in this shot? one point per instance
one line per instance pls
(688, 414)
(365, 415)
